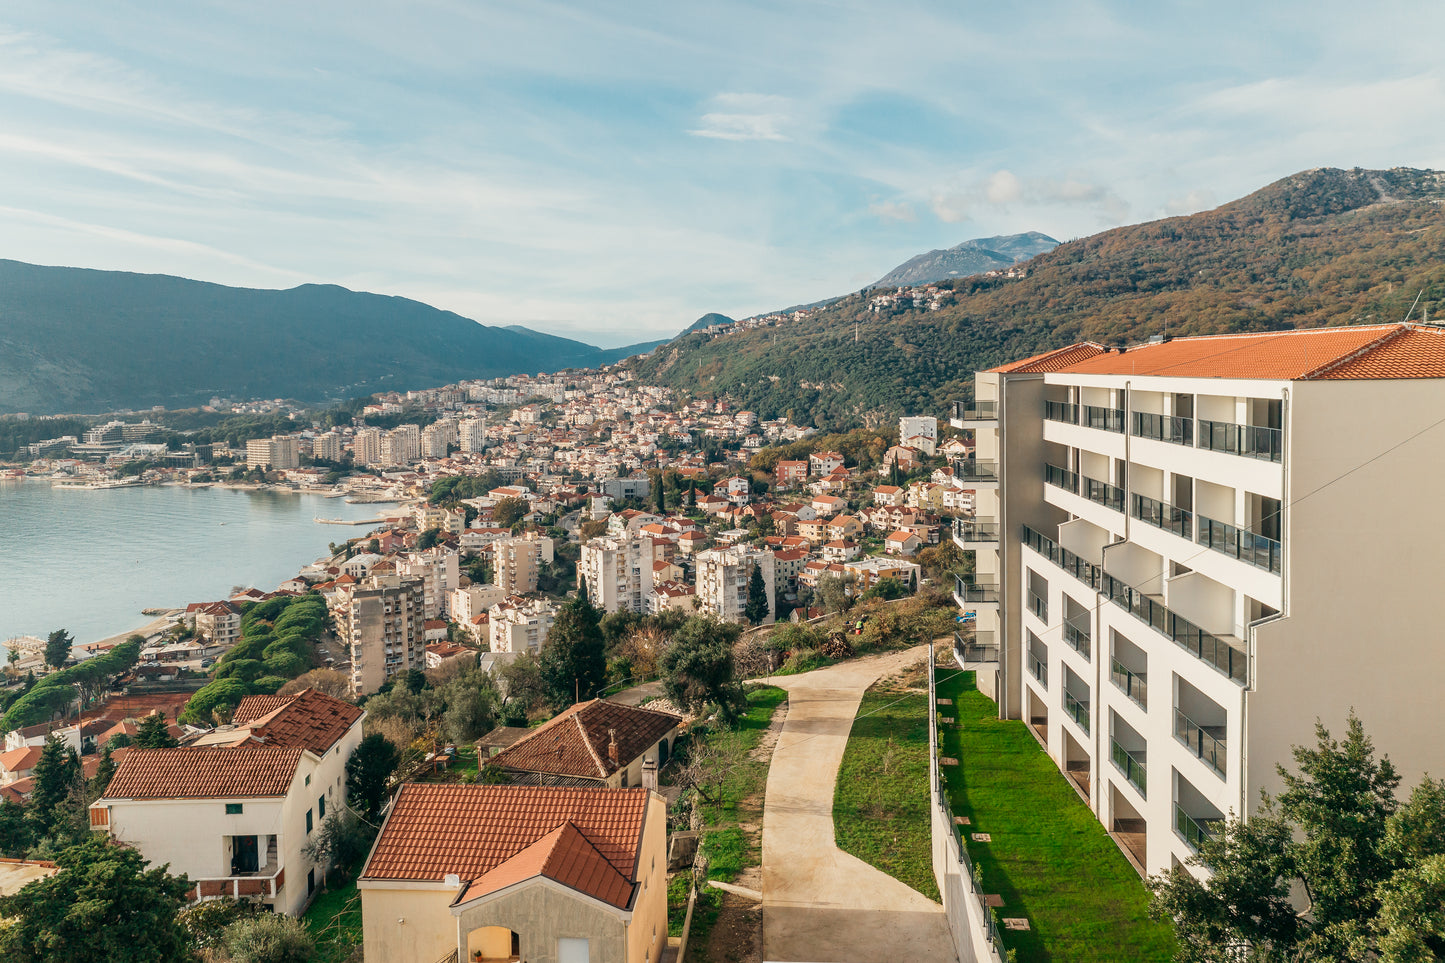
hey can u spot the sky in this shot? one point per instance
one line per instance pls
(612, 170)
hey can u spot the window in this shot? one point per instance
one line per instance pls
(321, 807)
(310, 879)
(233, 809)
(571, 950)
(308, 821)
(308, 780)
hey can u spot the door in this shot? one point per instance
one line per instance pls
(244, 855)
(572, 951)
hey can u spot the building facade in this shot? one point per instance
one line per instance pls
(617, 572)
(723, 575)
(382, 619)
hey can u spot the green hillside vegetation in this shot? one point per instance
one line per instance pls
(76, 340)
(1325, 247)
(277, 639)
(54, 692)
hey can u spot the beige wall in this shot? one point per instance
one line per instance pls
(1363, 554)
(647, 935)
(407, 925)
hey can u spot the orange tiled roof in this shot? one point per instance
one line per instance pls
(434, 830)
(1318, 354)
(576, 741)
(1055, 360)
(564, 855)
(204, 773)
(308, 720)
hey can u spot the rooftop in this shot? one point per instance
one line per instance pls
(577, 741)
(204, 773)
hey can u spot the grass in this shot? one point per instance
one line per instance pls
(880, 808)
(334, 921)
(1050, 858)
(746, 779)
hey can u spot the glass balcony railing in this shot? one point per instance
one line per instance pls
(1105, 419)
(1039, 669)
(1062, 478)
(971, 469)
(1194, 831)
(1131, 764)
(1110, 496)
(1078, 637)
(975, 591)
(1170, 428)
(976, 529)
(1257, 550)
(1179, 521)
(975, 411)
(1061, 411)
(978, 648)
(1250, 441)
(1206, 742)
(1201, 644)
(1132, 684)
(1077, 710)
(1039, 605)
(1062, 557)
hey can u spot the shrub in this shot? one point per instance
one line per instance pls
(269, 938)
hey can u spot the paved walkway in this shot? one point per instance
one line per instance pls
(820, 904)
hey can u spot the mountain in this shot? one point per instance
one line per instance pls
(79, 340)
(971, 257)
(707, 321)
(1322, 247)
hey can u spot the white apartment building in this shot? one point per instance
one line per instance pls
(277, 453)
(472, 434)
(722, 581)
(920, 432)
(401, 445)
(366, 448)
(515, 562)
(519, 625)
(434, 440)
(617, 572)
(327, 446)
(381, 621)
(1189, 551)
(438, 570)
(465, 604)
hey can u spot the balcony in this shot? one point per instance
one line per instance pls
(1202, 645)
(1206, 742)
(1250, 441)
(980, 648)
(1062, 557)
(1039, 669)
(1257, 550)
(979, 411)
(1194, 831)
(1039, 606)
(1102, 493)
(1062, 478)
(971, 532)
(265, 883)
(971, 469)
(1177, 521)
(1131, 764)
(1077, 637)
(1167, 428)
(1132, 684)
(1086, 416)
(972, 593)
(1076, 710)
(1062, 412)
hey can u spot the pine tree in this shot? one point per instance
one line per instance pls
(574, 659)
(56, 773)
(154, 733)
(57, 648)
(756, 610)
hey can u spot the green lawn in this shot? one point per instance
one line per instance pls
(880, 808)
(1050, 858)
(334, 920)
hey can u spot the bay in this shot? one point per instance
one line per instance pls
(90, 560)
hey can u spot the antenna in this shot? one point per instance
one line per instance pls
(1412, 306)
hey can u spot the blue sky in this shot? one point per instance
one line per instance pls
(612, 170)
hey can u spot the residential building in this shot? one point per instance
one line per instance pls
(276, 453)
(595, 742)
(867, 571)
(823, 462)
(218, 621)
(366, 447)
(433, 443)
(541, 873)
(1183, 550)
(671, 596)
(438, 570)
(519, 625)
(636, 486)
(517, 560)
(466, 604)
(449, 520)
(920, 433)
(380, 621)
(327, 446)
(790, 473)
(472, 434)
(617, 572)
(722, 581)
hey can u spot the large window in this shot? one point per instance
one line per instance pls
(571, 950)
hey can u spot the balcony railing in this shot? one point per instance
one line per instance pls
(979, 648)
(266, 883)
(1132, 684)
(977, 529)
(1062, 478)
(975, 591)
(1039, 669)
(1078, 711)
(1039, 605)
(1061, 411)
(971, 469)
(1179, 521)
(1209, 648)
(977, 411)
(1194, 831)
(1206, 742)
(1110, 496)
(1062, 557)
(1131, 766)
(1105, 419)
(1170, 428)
(1257, 550)
(1077, 637)
(1251, 441)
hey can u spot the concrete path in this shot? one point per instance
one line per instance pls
(820, 904)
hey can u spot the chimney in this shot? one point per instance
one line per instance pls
(612, 746)
(649, 775)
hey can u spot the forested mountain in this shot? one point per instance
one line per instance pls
(1322, 247)
(77, 340)
(971, 257)
(707, 320)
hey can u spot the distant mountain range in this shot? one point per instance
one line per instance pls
(971, 257)
(1321, 247)
(78, 340)
(707, 321)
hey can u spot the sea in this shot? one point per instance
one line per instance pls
(89, 560)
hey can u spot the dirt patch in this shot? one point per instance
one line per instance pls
(737, 936)
(769, 739)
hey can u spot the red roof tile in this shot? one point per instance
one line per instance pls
(308, 720)
(1055, 360)
(564, 855)
(577, 740)
(205, 773)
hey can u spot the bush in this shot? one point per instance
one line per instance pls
(269, 938)
(204, 923)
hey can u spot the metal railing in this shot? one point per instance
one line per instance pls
(1204, 646)
(1199, 739)
(1193, 831)
(1062, 557)
(1163, 515)
(1078, 711)
(1078, 638)
(1039, 669)
(1260, 551)
(1251, 441)
(1062, 478)
(979, 648)
(1039, 605)
(1170, 428)
(1132, 767)
(977, 411)
(972, 469)
(1110, 496)
(976, 529)
(975, 591)
(1105, 419)
(1061, 411)
(1132, 684)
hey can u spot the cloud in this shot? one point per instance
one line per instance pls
(1200, 199)
(1004, 190)
(746, 117)
(893, 211)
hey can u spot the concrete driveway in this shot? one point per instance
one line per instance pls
(820, 904)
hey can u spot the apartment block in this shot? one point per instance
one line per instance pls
(438, 570)
(722, 581)
(366, 449)
(277, 453)
(382, 622)
(617, 572)
(327, 446)
(517, 560)
(472, 434)
(1191, 550)
(519, 625)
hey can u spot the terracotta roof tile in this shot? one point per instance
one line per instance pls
(434, 830)
(564, 855)
(309, 720)
(22, 759)
(196, 773)
(1055, 360)
(576, 741)
(256, 706)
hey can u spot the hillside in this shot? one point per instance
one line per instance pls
(78, 340)
(1323, 247)
(706, 321)
(971, 257)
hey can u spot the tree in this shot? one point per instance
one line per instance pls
(102, 904)
(16, 837)
(472, 703)
(269, 938)
(698, 669)
(833, 593)
(57, 648)
(326, 681)
(509, 511)
(1368, 872)
(427, 539)
(367, 772)
(522, 687)
(756, 609)
(574, 657)
(341, 840)
(56, 773)
(154, 733)
(104, 772)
